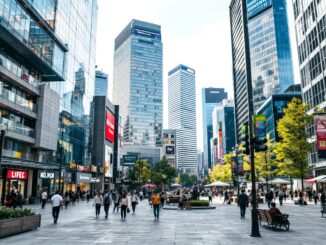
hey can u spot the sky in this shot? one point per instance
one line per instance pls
(195, 33)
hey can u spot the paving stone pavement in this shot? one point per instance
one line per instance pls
(222, 225)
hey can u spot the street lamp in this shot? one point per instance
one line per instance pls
(2, 137)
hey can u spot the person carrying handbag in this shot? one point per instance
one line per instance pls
(98, 202)
(124, 205)
(134, 201)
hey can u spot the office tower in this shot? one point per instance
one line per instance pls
(310, 26)
(223, 130)
(182, 116)
(210, 98)
(240, 63)
(46, 68)
(137, 82)
(270, 49)
(101, 84)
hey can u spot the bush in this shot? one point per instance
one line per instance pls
(199, 203)
(10, 213)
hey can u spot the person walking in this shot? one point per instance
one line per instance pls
(301, 200)
(156, 202)
(210, 194)
(19, 199)
(141, 195)
(66, 199)
(316, 197)
(44, 197)
(98, 202)
(134, 201)
(88, 196)
(281, 197)
(56, 201)
(226, 197)
(107, 202)
(243, 202)
(269, 198)
(123, 205)
(116, 199)
(323, 199)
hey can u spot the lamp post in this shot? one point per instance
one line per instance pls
(2, 137)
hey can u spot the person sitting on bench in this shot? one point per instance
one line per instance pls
(275, 212)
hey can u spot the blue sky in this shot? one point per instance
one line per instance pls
(194, 32)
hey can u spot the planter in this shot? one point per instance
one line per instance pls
(18, 225)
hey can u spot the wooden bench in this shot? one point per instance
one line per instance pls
(274, 222)
(323, 210)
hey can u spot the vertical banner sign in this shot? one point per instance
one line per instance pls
(240, 164)
(320, 131)
(260, 126)
(109, 126)
(234, 166)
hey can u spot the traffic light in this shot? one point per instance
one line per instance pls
(245, 139)
(260, 144)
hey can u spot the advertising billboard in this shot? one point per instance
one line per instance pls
(260, 126)
(109, 126)
(108, 164)
(320, 131)
(254, 7)
(129, 159)
(17, 174)
(169, 150)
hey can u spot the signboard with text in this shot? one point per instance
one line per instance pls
(84, 178)
(109, 126)
(254, 7)
(17, 174)
(129, 159)
(169, 150)
(320, 131)
(46, 175)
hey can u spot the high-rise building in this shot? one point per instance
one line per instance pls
(270, 49)
(310, 26)
(101, 84)
(137, 82)
(47, 72)
(210, 98)
(182, 116)
(241, 63)
(223, 138)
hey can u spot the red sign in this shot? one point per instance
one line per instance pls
(320, 130)
(109, 126)
(17, 174)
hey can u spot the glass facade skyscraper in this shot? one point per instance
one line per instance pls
(101, 84)
(182, 116)
(137, 82)
(210, 98)
(310, 26)
(270, 50)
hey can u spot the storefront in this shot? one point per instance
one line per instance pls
(46, 181)
(83, 181)
(17, 181)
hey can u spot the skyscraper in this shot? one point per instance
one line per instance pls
(241, 63)
(210, 98)
(310, 25)
(137, 82)
(182, 116)
(101, 84)
(270, 49)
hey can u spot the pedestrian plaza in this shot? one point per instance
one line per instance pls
(78, 225)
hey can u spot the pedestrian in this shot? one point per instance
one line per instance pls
(19, 199)
(243, 202)
(226, 197)
(66, 199)
(141, 195)
(56, 200)
(123, 205)
(210, 194)
(73, 198)
(156, 201)
(323, 199)
(88, 196)
(281, 197)
(269, 198)
(44, 197)
(116, 199)
(14, 199)
(134, 201)
(107, 199)
(316, 197)
(98, 202)
(301, 201)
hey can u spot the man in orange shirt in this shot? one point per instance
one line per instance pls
(156, 201)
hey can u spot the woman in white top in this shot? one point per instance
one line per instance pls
(98, 202)
(123, 205)
(134, 201)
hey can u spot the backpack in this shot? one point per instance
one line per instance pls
(107, 199)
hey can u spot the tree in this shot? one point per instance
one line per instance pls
(188, 180)
(140, 171)
(162, 172)
(222, 172)
(293, 149)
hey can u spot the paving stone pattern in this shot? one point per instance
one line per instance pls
(222, 225)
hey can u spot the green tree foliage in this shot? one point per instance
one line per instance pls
(162, 172)
(292, 151)
(188, 180)
(222, 172)
(140, 169)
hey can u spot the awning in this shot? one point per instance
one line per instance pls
(321, 178)
(26, 164)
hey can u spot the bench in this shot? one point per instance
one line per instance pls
(274, 222)
(323, 210)
(173, 200)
